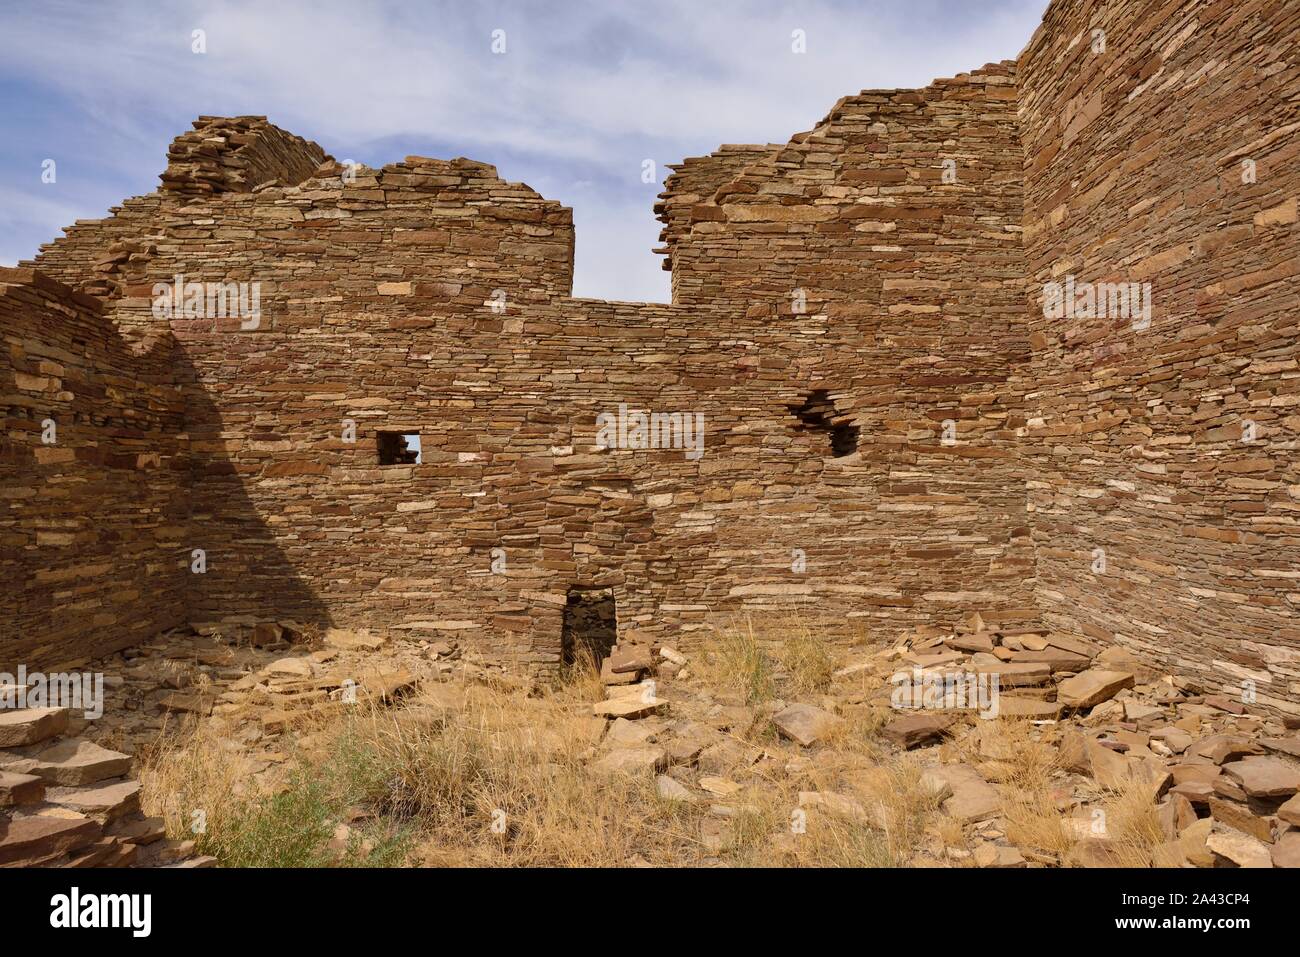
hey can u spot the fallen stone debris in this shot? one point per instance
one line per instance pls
(67, 802)
(1222, 777)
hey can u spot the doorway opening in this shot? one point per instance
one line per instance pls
(590, 627)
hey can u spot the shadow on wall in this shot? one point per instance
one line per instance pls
(248, 576)
(93, 480)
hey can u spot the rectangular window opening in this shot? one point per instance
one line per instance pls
(399, 448)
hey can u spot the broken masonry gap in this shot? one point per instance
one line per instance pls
(815, 416)
(399, 448)
(590, 627)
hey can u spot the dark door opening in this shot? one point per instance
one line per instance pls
(590, 626)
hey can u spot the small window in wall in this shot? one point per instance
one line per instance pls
(816, 415)
(590, 627)
(399, 448)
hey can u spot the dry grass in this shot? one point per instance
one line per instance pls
(1014, 753)
(503, 781)
(1132, 824)
(785, 657)
(478, 775)
(506, 783)
(806, 660)
(740, 665)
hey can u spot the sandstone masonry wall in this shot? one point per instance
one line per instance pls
(220, 155)
(379, 308)
(91, 523)
(904, 287)
(896, 433)
(1134, 171)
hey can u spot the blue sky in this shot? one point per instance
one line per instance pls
(584, 93)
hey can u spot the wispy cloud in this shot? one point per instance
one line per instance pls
(583, 94)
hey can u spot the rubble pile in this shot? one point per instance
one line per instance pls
(1221, 775)
(67, 802)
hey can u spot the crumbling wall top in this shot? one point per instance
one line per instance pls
(237, 154)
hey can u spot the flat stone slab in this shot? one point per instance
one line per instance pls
(1198, 792)
(351, 641)
(386, 685)
(20, 789)
(1074, 645)
(805, 724)
(1013, 706)
(1224, 747)
(1286, 852)
(632, 734)
(670, 789)
(1290, 811)
(1175, 739)
(1090, 688)
(1192, 843)
(631, 658)
(973, 799)
(1013, 674)
(980, 641)
(719, 787)
(609, 677)
(293, 667)
(1240, 818)
(31, 725)
(1289, 746)
(107, 801)
(840, 805)
(143, 830)
(914, 730)
(75, 762)
(1242, 849)
(998, 855)
(1093, 852)
(1110, 769)
(934, 659)
(1264, 777)
(177, 703)
(629, 706)
(37, 838)
(1055, 658)
(632, 761)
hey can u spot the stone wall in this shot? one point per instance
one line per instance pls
(1139, 442)
(896, 430)
(429, 297)
(881, 253)
(92, 508)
